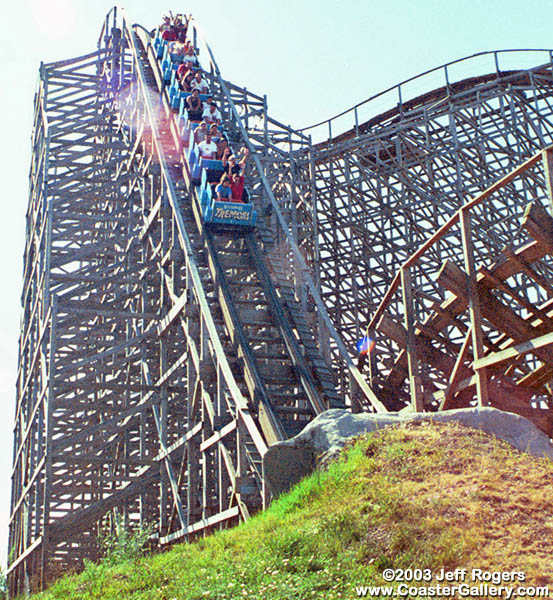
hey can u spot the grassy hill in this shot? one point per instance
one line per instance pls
(426, 496)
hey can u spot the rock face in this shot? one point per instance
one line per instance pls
(285, 463)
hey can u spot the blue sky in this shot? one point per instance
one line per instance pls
(312, 58)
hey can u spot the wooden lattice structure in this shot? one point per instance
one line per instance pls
(487, 342)
(159, 359)
(434, 222)
(395, 177)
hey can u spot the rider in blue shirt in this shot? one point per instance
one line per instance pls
(223, 190)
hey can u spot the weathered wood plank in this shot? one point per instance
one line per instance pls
(456, 373)
(539, 224)
(501, 316)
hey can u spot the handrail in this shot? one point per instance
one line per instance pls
(103, 32)
(201, 38)
(353, 370)
(276, 432)
(443, 67)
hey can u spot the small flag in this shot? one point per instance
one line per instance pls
(365, 345)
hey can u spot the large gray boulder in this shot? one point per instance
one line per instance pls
(285, 463)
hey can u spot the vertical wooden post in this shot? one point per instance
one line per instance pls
(163, 415)
(412, 359)
(474, 306)
(299, 286)
(220, 483)
(194, 410)
(241, 458)
(206, 459)
(322, 332)
(265, 122)
(547, 157)
(353, 392)
(49, 410)
(266, 493)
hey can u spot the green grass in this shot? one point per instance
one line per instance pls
(420, 496)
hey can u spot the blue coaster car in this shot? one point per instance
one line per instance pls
(213, 169)
(219, 212)
(230, 213)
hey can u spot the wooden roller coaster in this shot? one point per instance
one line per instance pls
(160, 357)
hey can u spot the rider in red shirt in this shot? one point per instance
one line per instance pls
(169, 35)
(237, 187)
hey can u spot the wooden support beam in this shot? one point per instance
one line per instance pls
(474, 305)
(514, 351)
(456, 373)
(525, 267)
(184, 439)
(201, 525)
(539, 224)
(498, 314)
(547, 158)
(73, 523)
(411, 347)
(426, 350)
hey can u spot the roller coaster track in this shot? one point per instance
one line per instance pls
(159, 358)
